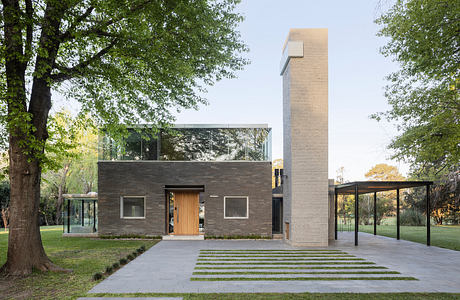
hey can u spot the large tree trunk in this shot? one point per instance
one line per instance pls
(25, 248)
(27, 128)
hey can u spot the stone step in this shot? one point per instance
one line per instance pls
(183, 237)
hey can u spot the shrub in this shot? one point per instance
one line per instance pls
(130, 257)
(115, 266)
(134, 254)
(139, 250)
(142, 248)
(123, 261)
(410, 217)
(97, 276)
(109, 269)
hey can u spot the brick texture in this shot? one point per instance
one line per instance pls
(305, 113)
(148, 178)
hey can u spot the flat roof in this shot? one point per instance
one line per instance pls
(365, 187)
(208, 126)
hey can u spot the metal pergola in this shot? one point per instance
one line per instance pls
(366, 187)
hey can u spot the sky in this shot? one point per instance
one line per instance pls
(357, 73)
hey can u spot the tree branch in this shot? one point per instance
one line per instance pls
(68, 33)
(68, 73)
(29, 29)
(99, 27)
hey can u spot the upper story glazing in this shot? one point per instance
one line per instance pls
(201, 142)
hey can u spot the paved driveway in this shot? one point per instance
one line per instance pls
(169, 266)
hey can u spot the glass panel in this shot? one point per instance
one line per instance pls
(171, 213)
(133, 207)
(82, 217)
(236, 207)
(192, 144)
(201, 213)
(276, 215)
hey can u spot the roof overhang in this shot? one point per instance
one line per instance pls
(365, 187)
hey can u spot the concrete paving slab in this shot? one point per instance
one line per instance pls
(168, 266)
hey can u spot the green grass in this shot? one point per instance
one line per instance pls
(301, 268)
(84, 256)
(267, 250)
(289, 263)
(279, 259)
(278, 273)
(297, 296)
(297, 278)
(269, 255)
(441, 236)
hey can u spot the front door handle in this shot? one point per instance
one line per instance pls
(177, 214)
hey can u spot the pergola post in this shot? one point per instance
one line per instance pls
(356, 214)
(68, 215)
(82, 213)
(397, 215)
(335, 203)
(94, 215)
(375, 213)
(428, 209)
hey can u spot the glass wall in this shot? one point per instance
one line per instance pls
(80, 215)
(210, 143)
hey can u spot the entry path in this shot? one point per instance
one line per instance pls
(168, 266)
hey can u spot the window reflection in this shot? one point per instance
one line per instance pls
(192, 144)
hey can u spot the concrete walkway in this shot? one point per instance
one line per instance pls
(168, 266)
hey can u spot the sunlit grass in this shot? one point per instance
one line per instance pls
(85, 256)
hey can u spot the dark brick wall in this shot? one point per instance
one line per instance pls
(148, 178)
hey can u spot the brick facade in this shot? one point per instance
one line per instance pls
(305, 119)
(149, 178)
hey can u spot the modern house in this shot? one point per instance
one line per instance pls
(188, 180)
(216, 180)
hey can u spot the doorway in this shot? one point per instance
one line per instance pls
(184, 212)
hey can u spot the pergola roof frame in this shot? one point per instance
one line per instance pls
(365, 187)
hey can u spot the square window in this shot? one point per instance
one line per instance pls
(236, 207)
(132, 207)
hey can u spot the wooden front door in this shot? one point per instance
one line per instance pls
(186, 209)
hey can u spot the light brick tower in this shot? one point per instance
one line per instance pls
(304, 67)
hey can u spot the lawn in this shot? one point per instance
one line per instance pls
(441, 236)
(83, 255)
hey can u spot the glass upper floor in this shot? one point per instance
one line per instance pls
(191, 143)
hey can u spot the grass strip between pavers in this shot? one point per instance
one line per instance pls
(278, 259)
(268, 250)
(289, 263)
(296, 278)
(284, 273)
(269, 255)
(290, 268)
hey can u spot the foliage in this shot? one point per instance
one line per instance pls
(424, 92)
(410, 217)
(124, 63)
(71, 169)
(384, 172)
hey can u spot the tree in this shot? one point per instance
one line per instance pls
(385, 200)
(124, 62)
(424, 93)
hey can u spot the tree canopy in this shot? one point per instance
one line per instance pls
(424, 38)
(125, 62)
